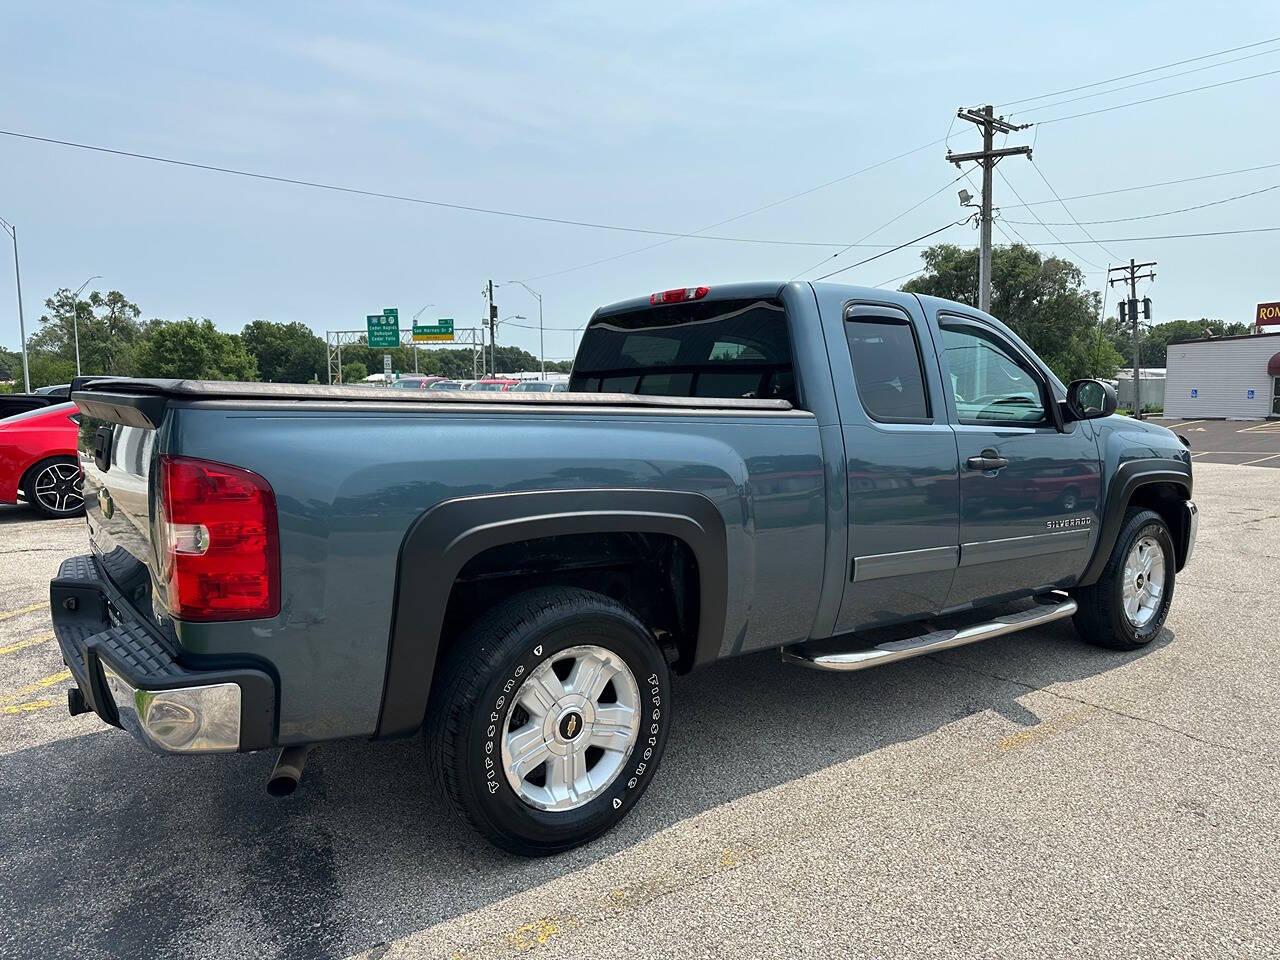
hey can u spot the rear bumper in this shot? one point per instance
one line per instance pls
(130, 677)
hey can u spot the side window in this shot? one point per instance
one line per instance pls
(887, 370)
(990, 385)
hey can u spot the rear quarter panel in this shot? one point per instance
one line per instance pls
(349, 485)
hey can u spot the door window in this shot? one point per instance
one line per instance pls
(886, 368)
(990, 384)
(1275, 396)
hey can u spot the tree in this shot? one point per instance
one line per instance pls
(1156, 338)
(354, 372)
(285, 352)
(193, 349)
(108, 329)
(10, 365)
(1042, 299)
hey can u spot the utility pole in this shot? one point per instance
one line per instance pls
(987, 158)
(1129, 311)
(10, 229)
(493, 333)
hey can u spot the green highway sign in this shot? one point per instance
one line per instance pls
(384, 331)
(427, 332)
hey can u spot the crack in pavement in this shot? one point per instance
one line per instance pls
(1105, 708)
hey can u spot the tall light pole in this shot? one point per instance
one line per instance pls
(12, 231)
(75, 317)
(493, 340)
(542, 353)
(415, 342)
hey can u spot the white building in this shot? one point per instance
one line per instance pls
(1235, 378)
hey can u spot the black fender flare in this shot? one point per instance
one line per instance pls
(441, 541)
(1127, 478)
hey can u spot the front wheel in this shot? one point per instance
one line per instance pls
(548, 718)
(1127, 607)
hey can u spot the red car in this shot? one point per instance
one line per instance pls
(493, 383)
(38, 460)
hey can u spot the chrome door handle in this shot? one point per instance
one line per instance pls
(989, 460)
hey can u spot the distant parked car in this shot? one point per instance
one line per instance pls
(493, 384)
(414, 382)
(38, 461)
(446, 385)
(536, 386)
(62, 390)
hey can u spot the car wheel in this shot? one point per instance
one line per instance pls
(548, 718)
(1127, 607)
(54, 487)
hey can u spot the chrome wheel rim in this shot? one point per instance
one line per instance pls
(570, 728)
(57, 488)
(1143, 583)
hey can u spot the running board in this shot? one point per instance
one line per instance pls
(1050, 608)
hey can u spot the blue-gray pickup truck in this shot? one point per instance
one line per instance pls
(850, 476)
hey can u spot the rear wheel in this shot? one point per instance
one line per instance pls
(54, 487)
(1127, 607)
(548, 718)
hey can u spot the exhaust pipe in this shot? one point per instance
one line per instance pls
(287, 771)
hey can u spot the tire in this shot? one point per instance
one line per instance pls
(501, 676)
(54, 488)
(1102, 617)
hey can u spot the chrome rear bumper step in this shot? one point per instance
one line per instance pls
(1052, 607)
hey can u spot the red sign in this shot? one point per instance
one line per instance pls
(1268, 313)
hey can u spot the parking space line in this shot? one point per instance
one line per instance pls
(36, 687)
(9, 614)
(29, 642)
(29, 706)
(1264, 427)
(1259, 460)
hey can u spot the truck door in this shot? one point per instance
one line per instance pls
(1029, 485)
(901, 460)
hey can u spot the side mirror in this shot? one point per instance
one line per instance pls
(1087, 399)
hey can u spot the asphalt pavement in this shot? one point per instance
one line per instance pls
(1028, 796)
(1250, 443)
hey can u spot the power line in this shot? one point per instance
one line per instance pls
(1139, 73)
(720, 223)
(1165, 213)
(923, 236)
(1148, 186)
(1042, 223)
(1144, 83)
(1037, 169)
(846, 249)
(360, 191)
(1173, 236)
(1165, 96)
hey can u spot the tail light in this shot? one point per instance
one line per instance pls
(217, 542)
(679, 295)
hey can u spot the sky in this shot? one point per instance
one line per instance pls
(659, 116)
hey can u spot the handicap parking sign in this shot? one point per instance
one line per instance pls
(1194, 392)
(1250, 394)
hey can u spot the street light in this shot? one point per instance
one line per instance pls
(493, 342)
(542, 353)
(75, 316)
(415, 342)
(12, 231)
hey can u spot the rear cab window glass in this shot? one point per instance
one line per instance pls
(727, 349)
(888, 371)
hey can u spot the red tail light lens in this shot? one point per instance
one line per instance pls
(679, 295)
(218, 541)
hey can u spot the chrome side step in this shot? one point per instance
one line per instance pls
(1057, 607)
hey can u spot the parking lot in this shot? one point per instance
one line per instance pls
(1253, 443)
(1030, 796)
